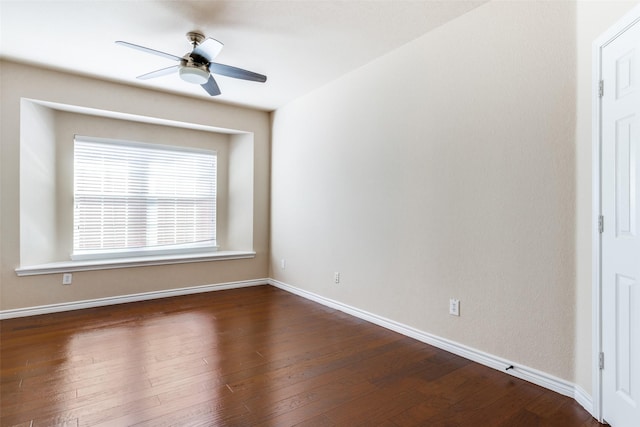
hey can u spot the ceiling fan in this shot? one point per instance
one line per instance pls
(197, 66)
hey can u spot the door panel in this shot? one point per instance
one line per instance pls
(626, 336)
(620, 241)
(625, 178)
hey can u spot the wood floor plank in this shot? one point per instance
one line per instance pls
(294, 404)
(381, 404)
(249, 357)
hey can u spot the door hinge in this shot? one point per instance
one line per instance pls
(601, 360)
(601, 89)
(601, 224)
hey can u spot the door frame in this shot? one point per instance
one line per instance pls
(624, 23)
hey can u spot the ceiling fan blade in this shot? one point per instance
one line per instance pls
(236, 73)
(159, 73)
(148, 50)
(211, 87)
(209, 49)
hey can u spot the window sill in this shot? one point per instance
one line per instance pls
(107, 264)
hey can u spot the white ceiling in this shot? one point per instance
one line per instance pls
(299, 44)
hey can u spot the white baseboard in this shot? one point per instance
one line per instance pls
(584, 399)
(99, 302)
(531, 375)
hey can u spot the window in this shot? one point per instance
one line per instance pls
(133, 199)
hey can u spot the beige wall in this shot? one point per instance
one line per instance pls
(38, 218)
(451, 168)
(18, 81)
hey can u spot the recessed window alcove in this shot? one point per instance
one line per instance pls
(47, 133)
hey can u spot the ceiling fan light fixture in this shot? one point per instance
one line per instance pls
(194, 75)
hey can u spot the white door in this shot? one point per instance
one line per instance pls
(621, 236)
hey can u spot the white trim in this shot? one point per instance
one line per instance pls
(523, 372)
(102, 302)
(596, 343)
(607, 37)
(107, 264)
(581, 396)
(134, 117)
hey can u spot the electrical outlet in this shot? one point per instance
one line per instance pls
(336, 277)
(67, 278)
(283, 263)
(454, 307)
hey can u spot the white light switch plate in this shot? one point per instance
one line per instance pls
(454, 307)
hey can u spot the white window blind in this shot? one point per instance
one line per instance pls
(142, 198)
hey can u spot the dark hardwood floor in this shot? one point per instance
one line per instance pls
(249, 357)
